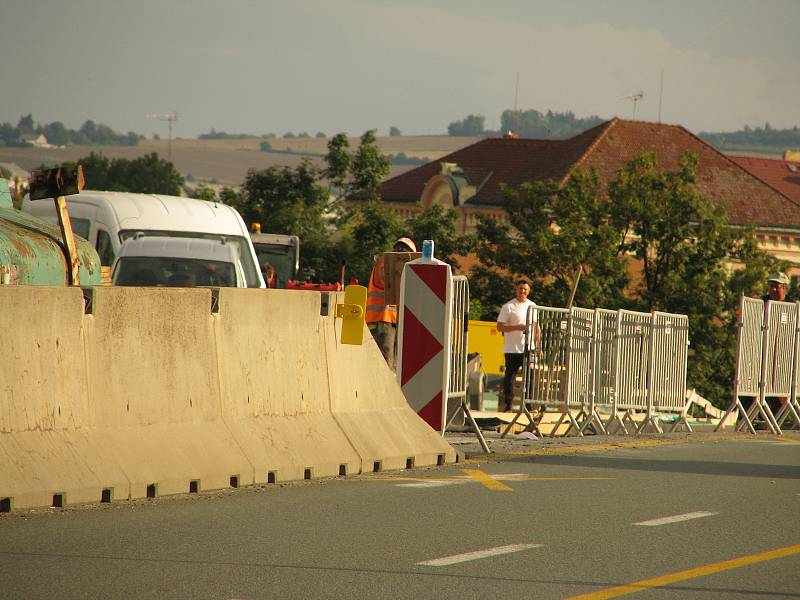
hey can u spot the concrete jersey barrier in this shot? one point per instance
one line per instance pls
(152, 393)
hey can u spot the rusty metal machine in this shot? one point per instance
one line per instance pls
(33, 251)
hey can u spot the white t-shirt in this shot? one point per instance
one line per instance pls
(515, 312)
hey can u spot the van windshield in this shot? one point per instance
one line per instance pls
(173, 272)
(250, 271)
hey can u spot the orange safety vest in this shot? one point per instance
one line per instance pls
(377, 309)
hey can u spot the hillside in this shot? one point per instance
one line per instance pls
(227, 161)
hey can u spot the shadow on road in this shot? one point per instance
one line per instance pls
(732, 469)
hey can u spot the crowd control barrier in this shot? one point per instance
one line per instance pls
(586, 363)
(767, 361)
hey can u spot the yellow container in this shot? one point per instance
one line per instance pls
(484, 338)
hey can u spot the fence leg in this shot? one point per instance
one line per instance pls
(681, 420)
(785, 411)
(475, 427)
(615, 423)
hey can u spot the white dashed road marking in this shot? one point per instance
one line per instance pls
(459, 558)
(676, 518)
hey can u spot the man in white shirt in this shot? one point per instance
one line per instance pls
(511, 323)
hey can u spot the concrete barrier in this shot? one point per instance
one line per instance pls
(369, 405)
(154, 389)
(275, 392)
(152, 393)
(45, 448)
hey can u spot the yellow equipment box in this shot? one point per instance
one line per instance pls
(484, 338)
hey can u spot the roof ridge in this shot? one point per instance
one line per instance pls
(609, 125)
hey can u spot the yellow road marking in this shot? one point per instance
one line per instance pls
(488, 481)
(725, 565)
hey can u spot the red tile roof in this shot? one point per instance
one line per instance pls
(608, 147)
(783, 175)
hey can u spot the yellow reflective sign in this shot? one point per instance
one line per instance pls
(352, 314)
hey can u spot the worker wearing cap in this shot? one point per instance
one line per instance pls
(381, 318)
(777, 287)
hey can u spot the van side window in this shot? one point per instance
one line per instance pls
(104, 248)
(81, 227)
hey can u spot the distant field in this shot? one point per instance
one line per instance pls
(227, 161)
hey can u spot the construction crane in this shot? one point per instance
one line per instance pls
(169, 118)
(636, 98)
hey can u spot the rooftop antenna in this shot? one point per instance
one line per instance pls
(515, 123)
(170, 118)
(636, 98)
(660, 94)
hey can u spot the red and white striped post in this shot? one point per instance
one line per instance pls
(424, 336)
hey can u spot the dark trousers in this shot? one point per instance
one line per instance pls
(513, 365)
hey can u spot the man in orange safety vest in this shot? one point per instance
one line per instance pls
(381, 318)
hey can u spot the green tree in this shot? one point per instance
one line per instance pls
(368, 167)
(369, 229)
(439, 224)
(394, 131)
(471, 125)
(95, 172)
(147, 174)
(203, 192)
(557, 231)
(338, 160)
(684, 244)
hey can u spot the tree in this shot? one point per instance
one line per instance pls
(321, 135)
(203, 192)
(147, 174)
(356, 174)
(368, 167)
(338, 161)
(557, 230)
(369, 229)
(394, 132)
(439, 224)
(684, 244)
(95, 172)
(56, 133)
(471, 125)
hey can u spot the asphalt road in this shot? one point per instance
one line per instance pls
(576, 521)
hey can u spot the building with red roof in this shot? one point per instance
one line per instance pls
(470, 179)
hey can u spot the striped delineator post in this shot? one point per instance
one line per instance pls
(424, 336)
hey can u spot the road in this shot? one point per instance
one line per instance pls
(697, 517)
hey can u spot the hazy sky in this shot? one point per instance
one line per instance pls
(265, 66)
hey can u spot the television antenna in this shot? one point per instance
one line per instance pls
(636, 98)
(170, 118)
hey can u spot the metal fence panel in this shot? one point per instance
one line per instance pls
(606, 357)
(781, 318)
(633, 356)
(458, 337)
(748, 365)
(545, 368)
(580, 367)
(670, 355)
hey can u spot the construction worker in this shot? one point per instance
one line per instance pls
(381, 318)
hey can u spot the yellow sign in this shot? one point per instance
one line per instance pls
(352, 314)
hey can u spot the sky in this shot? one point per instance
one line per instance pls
(273, 66)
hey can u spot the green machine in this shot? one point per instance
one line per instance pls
(33, 251)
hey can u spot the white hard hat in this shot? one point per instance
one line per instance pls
(407, 242)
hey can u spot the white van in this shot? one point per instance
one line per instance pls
(108, 219)
(178, 262)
